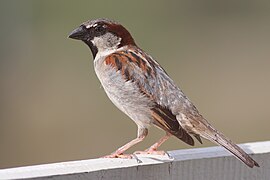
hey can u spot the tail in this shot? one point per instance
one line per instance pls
(218, 138)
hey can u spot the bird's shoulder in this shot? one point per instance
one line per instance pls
(137, 66)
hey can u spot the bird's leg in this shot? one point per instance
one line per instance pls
(142, 133)
(153, 148)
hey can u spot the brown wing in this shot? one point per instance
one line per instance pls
(143, 73)
(168, 122)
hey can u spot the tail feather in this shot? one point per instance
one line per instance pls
(220, 139)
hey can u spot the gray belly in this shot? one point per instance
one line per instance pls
(125, 95)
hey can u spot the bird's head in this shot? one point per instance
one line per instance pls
(102, 35)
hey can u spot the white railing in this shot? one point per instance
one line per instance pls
(213, 163)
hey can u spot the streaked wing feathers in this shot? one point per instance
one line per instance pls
(134, 67)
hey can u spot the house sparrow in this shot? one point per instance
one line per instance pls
(141, 88)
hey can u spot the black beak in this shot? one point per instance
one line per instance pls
(80, 33)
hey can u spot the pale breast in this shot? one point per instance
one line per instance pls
(124, 94)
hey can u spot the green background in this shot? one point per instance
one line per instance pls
(53, 109)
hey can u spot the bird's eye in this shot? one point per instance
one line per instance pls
(100, 28)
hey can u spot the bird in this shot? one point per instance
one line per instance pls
(142, 89)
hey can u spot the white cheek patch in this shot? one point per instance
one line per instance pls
(96, 41)
(106, 43)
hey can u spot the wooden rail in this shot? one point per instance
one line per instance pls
(190, 164)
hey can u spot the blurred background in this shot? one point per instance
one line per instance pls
(53, 109)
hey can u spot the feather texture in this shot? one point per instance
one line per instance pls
(142, 89)
(152, 81)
